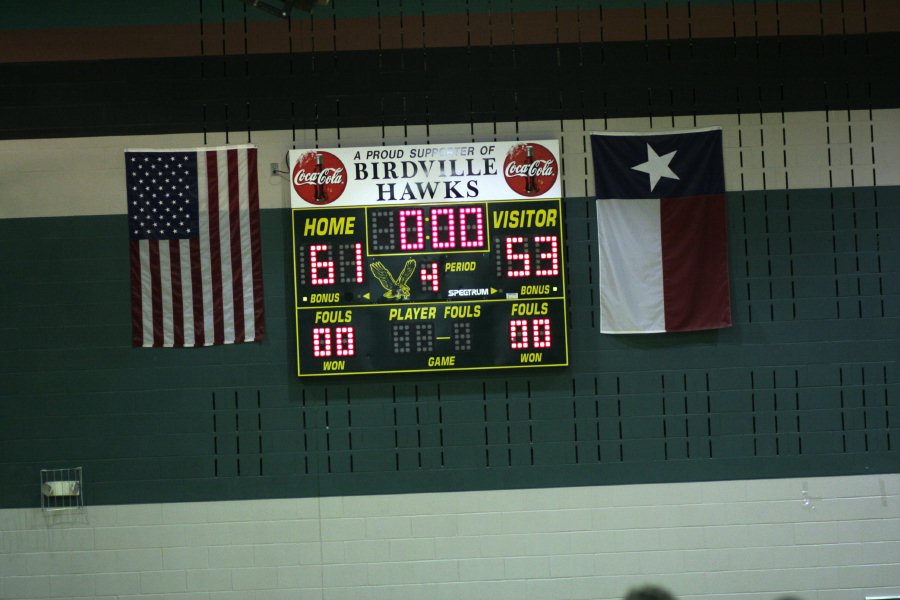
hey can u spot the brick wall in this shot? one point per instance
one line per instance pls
(819, 538)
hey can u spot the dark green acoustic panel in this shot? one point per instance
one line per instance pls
(805, 383)
(439, 85)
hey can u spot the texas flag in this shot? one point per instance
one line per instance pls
(661, 221)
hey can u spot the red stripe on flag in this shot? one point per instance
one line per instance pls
(197, 293)
(156, 292)
(234, 219)
(215, 250)
(177, 296)
(695, 262)
(137, 329)
(255, 249)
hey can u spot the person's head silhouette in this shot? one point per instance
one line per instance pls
(649, 592)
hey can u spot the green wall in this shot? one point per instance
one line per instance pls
(806, 383)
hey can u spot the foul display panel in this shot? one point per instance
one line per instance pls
(427, 284)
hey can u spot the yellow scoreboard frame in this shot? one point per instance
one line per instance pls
(393, 285)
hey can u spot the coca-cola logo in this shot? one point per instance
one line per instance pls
(319, 177)
(530, 169)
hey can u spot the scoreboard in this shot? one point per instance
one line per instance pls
(436, 285)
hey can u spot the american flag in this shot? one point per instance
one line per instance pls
(196, 265)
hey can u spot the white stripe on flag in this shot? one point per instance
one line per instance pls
(146, 294)
(225, 246)
(246, 252)
(631, 277)
(187, 292)
(205, 268)
(165, 282)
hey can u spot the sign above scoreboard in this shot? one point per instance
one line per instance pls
(432, 173)
(425, 258)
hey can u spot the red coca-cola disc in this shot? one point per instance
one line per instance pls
(530, 169)
(319, 177)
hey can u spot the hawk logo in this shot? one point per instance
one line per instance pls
(395, 289)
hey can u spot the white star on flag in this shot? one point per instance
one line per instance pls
(657, 166)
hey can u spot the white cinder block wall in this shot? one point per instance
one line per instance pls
(835, 538)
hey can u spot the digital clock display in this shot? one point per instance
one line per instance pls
(431, 286)
(428, 228)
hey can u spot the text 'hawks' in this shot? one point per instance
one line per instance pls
(456, 176)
